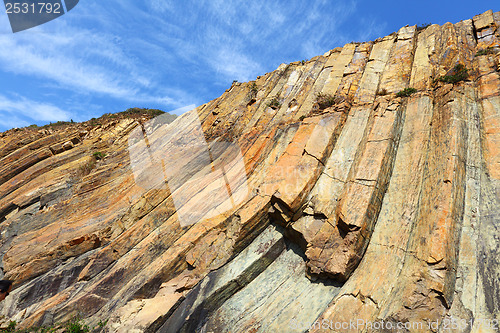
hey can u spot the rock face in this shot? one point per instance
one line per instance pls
(269, 210)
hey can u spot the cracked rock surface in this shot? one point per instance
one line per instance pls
(296, 218)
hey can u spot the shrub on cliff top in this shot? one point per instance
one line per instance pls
(406, 92)
(75, 325)
(423, 26)
(253, 88)
(325, 100)
(457, 74)
(98, 155)
(56, 124)
(274, 103)
(382, 92)
(485, 51)
(139, 111)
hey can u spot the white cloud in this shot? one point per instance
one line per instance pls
(234, 64)
(164, 53)
(11, 122)
(371, 29)
(161, 5)
(234, 37)
(15, 111)
(81, 61)
(62, 60)
(239, 39)
(182, 110)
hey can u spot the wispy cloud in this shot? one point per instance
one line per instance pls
(12, 122)
(235, 38)
(234, 64)
(182, 110)
(20, 111)
(80, 60)
(240, 39)
(371, 29)
(68, 62)
(161, 5)
(166, 54)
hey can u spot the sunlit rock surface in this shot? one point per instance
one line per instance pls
(262, 211)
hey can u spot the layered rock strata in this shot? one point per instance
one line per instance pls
(265, 211)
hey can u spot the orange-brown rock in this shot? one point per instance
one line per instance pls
(266, 211)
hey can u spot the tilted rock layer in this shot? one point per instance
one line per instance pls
(370, 209)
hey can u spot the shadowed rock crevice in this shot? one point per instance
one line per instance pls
(269, 209)
(200, 309)
(218, 286)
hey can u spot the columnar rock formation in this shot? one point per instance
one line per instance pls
(372, 207)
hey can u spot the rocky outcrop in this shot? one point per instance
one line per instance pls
(318, 197)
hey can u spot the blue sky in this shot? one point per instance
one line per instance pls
(107, 56)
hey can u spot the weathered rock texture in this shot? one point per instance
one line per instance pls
(378, 209)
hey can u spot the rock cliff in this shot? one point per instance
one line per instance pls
(358, 191)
